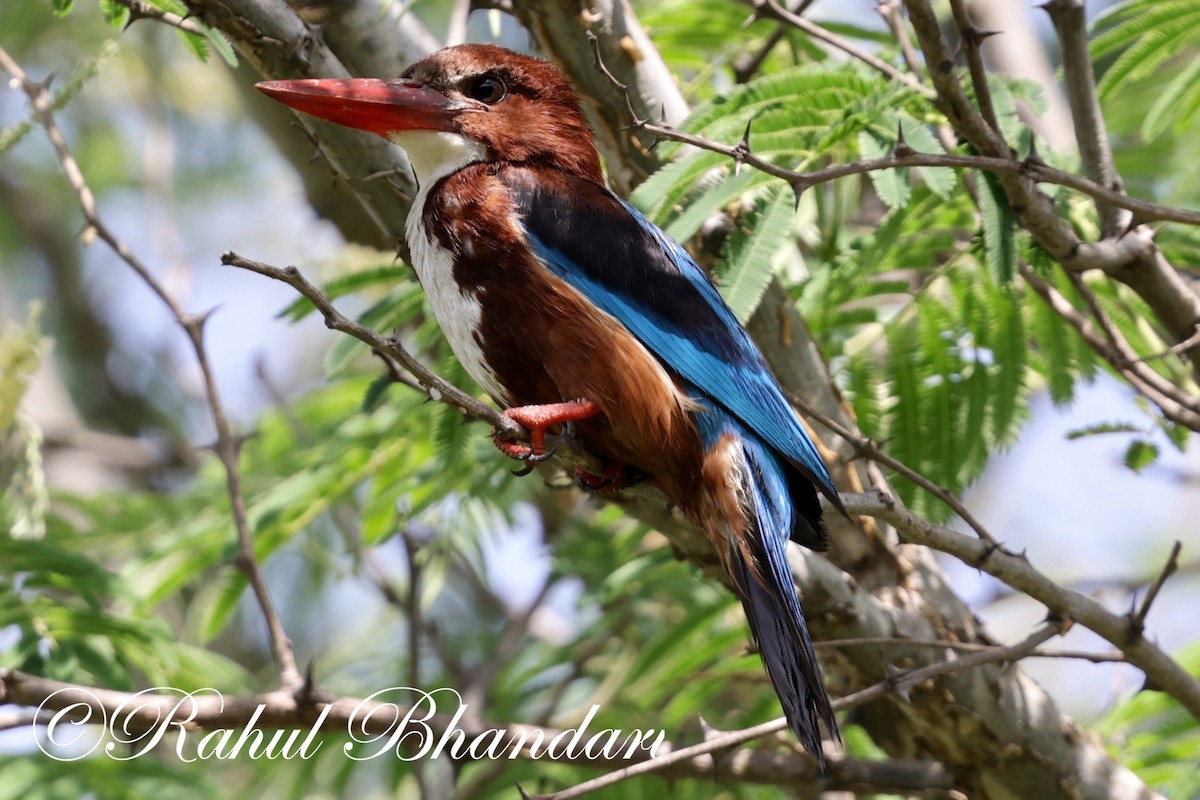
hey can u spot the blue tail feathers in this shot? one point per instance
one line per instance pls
(760, 572)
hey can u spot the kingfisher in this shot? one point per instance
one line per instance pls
(570, 308)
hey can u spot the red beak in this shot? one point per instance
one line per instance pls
(368, 104)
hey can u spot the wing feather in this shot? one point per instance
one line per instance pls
(629, 268)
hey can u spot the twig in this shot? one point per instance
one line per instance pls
(744, 71)
(1175, 404)
(773, 10)
(967, 647)
(19, 719)
(227, 445)
(412, 610)
(899, 682)
(133, 714)
(972, 41)
(1016, 571)
(433, 386)
(1179, 348)
(1095, 152)
(1137, 620)
(1031, 168)
(890, 11)
(139, 10)
(871, 451)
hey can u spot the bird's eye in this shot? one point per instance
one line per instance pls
(487, 89)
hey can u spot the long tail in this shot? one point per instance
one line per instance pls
(757, 562)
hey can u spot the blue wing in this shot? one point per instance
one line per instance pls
(624, 264)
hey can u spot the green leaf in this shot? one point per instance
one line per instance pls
(1140, 454)
(221, 45)
(1099, 428)
(1179, 94)
(195, 42)
(892, 185)
(1157, 32)
(999, 228)
(749, 267)
(374, 395)
(22, 348)
(1178, 435)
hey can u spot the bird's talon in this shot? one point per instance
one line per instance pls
(523, 471)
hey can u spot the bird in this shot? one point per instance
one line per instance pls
(573, 311)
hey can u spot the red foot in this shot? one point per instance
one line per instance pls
(611, 479)
(615, 477)
(536, 419)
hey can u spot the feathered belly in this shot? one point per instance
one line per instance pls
(459, 312)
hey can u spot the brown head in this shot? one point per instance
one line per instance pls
(464, 104)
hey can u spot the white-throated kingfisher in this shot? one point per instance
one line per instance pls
(567, 305)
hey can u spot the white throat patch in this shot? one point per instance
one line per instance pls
(433, 156)
(436, 154)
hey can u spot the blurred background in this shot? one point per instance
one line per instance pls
(183, 160)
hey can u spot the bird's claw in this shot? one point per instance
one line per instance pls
(536, 419)
(613, 478)
(522, 452)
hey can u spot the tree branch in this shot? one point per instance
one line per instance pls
(1132, 258)
(773, 10)
(1091, 135)
(373, 721)
(433, 386)
(227, 445)
(1016, 571)
(870, 450)
(896, 683)
(1175, 404)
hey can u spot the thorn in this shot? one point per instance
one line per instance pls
(709, 731)
(1034, 158)
(895, 677)
(798, 188)
(309, 675)
(521, 789)
(238, 441)
(194, 323)
(902, 149)
(1149, 686)
(975, 37)
(1054, 619)
(741, 150)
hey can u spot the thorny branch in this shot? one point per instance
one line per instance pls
(900, 682)
(1138, 619)
(870, 450)
(1130, 257)
(284, 709)
(227, 444)
(1015, 570)
(433, 386)
(903, 156)
(140, 10)
(374, 721)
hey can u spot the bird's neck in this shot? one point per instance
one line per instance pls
(436, 154)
